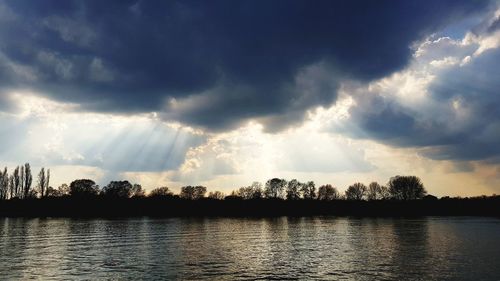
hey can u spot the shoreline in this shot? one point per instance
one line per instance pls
(177, 207)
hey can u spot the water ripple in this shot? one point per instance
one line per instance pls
(320, 248)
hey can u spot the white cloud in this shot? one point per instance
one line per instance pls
(45, 132)
(250, 152)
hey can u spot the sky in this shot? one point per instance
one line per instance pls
(224, 93)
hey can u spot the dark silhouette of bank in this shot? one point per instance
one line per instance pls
(402, 196)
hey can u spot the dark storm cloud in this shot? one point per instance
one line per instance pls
(223, 61)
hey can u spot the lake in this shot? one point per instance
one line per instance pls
(322, 248)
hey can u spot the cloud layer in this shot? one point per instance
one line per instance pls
(210, 65)
(446, 102)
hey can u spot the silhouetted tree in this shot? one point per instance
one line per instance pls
(32, 194)
(406, 188)
(137, 191)
(15, 184)
(161, 192)
(243, 192)
(308, 190)
(43, 181)
(52, 192)
(217, 195)
(193, 192)
(63, 189)
(234, 194)
(28, 180)
(328, 192)
(384, 193)
(11, 187)
(118, 189)
(257, 190)
(430, 197)
(293, 190)
(4, 184)
(274, 188)
(22, 179)
(47, 179)
(253, 191)
(356, 191)
(83, 188)
(374, 191)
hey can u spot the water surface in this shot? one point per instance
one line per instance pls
(323, 248)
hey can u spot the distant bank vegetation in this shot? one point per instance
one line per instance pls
(23, 196)
(19, 185)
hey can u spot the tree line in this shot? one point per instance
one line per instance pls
(21, 195)
(19, 185)
(398, 187)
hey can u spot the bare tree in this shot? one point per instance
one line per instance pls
(28, 180)
(253, 191)
(161, 192)
(117, 189)
(83, 188)
(356, 191)
(137, 190)
(4, 184)
(293, 190)
(47, 180)
(244, 192)
(42, 182)
(11, 187)
(22, 178)
(384, 193)
(217, 195)
(308, 190)
(16, 184)
(328, 192)
(257, 190)
(52, 192)
(63, 189)
(406, 188)
(193, 192)
(274, 188)
(374, 191)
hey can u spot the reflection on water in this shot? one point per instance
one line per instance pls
(271, 248)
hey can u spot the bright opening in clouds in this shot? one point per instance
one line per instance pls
(230, 92)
